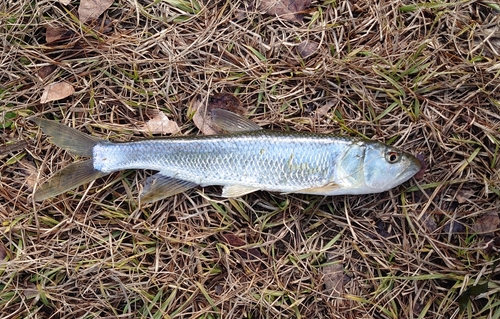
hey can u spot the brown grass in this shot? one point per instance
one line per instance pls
(420, 75)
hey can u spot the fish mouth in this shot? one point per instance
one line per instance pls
(413, 167)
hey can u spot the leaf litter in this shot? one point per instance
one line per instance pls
(307, 48)
(3, 252)
(202, 118)
(92, 9)
(291, 10)
(55, 34)
(333, 277)
(46, 70)
(382, 67)
(487, 224)
(57, 91)
(235, 241)
(160, 124)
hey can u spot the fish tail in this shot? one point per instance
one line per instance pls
(75, 174)
(68, 178)
(75, 142)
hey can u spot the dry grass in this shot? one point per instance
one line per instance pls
(420, 75)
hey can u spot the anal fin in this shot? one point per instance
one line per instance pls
(319, 190)
(237, 190)
(69, 177)
(159, 186)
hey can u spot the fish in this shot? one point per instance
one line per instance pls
(245, 159)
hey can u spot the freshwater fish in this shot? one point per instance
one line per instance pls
(245, 160)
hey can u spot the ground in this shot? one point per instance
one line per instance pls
(422, 76)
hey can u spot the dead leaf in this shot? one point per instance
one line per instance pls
(202, 117)
(429, 222)
(453, 227)
(3, 252)
(334, 277)
(161, 124)
(56, 91)
(30, 173)
(103, 25)
(290, 10)
(423, 166)
(227, 102)
(54, 34)
(464, 195)
(65, 2)
(30, 290)
(45, 71)
(307, 48)
(92, 9)
(243, 10)
(235, 241)
(323, 110)
(487, 224)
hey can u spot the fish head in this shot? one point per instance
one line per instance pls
(385, 167)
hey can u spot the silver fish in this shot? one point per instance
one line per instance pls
(244, 161)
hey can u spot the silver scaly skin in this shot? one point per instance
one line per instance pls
(242, 162)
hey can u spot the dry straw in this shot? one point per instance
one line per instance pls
(423, 76)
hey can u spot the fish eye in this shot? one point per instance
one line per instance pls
(392, 157)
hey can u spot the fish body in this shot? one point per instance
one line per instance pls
(249, 159)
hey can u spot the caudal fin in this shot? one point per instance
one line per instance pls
(75, 174)
(75, 142)
(69, 177)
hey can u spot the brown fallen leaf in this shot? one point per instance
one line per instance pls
(3, 252)
(235, 241)
(202, 112)
(420, 174)
(463, 196)
(92, 9)
(56, 91)
(103, 25)
(161, 124)
(323, 110)
(54, 34)
(487, 224)
(453, 227)
(333, 276)
(290, 10)
(45, 71)
(307, 48)
(429, 222)
(29, 290)
(30, 173)
(382, 229)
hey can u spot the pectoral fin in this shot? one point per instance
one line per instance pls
(161, 186)
(232, 122)
(326, 189)
(69, 177)
(237, 190)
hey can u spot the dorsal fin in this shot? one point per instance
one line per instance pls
(232, 122)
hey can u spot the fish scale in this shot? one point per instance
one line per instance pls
(268, 159)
